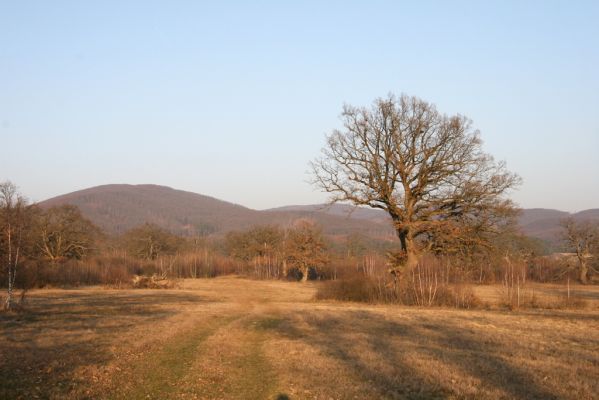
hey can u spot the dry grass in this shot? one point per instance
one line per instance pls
(542, 295)
(231, 338)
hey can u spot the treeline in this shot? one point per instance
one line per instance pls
(59, 247)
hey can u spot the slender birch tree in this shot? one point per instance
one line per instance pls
(13, 208)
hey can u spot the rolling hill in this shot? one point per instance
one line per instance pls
(342, 210)
(540, 223)
(118, 208)
(544, 224)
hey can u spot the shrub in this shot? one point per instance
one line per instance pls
(361, 288)
(117, 269)
(358, 288)
(458, 296)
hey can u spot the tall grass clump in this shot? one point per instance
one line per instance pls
(118, 269)
(433, 282)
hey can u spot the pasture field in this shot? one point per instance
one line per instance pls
(234, 338)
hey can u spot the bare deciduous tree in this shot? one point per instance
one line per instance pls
(583, 238)
(426, 170)
(305, 247)
(258, 241)
(65, 233)
(149, 241)
(260, 245)
(12, 226)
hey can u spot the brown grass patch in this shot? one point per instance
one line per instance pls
(230, 338)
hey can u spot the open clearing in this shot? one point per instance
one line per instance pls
(232, 338)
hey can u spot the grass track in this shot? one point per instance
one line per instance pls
(158, 374)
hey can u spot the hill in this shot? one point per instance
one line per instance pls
(544, 223)
(343, 210)
(118, 208)
(540, 223)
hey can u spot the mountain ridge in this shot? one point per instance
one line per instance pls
(117, 208)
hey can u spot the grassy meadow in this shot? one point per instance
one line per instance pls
(235, 338)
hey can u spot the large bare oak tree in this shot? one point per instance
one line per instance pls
(427, 170)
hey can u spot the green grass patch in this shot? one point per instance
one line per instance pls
(157, 375)
(266, 324)
(258, 380)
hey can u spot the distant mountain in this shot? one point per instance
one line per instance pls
(533, 215)
(540, 223)
(343, 210)
(592, 214)
(544, 224)
(118, 208)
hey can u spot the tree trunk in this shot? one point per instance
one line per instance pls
(7, 303)
(12, 275)
(408, 248)
(584, 270)
(412, 260)
(305, 272)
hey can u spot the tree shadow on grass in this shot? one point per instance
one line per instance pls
(55, 336)
(335, 335)
(330, 336)
(563, 315)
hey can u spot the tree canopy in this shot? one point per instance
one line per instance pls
(305, 247)
(149, 241)
(65, 234)
(582, 237)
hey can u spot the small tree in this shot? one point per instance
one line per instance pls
(258, 241)
(305, 247)
(426, 170)
(149, 241)
(65, 234)
(13, 224)
(583, 238)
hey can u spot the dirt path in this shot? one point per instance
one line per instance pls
(230, 338)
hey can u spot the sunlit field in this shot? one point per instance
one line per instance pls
(233, 338)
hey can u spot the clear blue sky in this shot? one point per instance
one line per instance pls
(234, 99)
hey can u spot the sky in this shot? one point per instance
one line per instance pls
(233, 99)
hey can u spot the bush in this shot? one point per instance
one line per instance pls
(458, 296)
(433, 282)
(117, 269)
(357, 288)
(91, 271)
